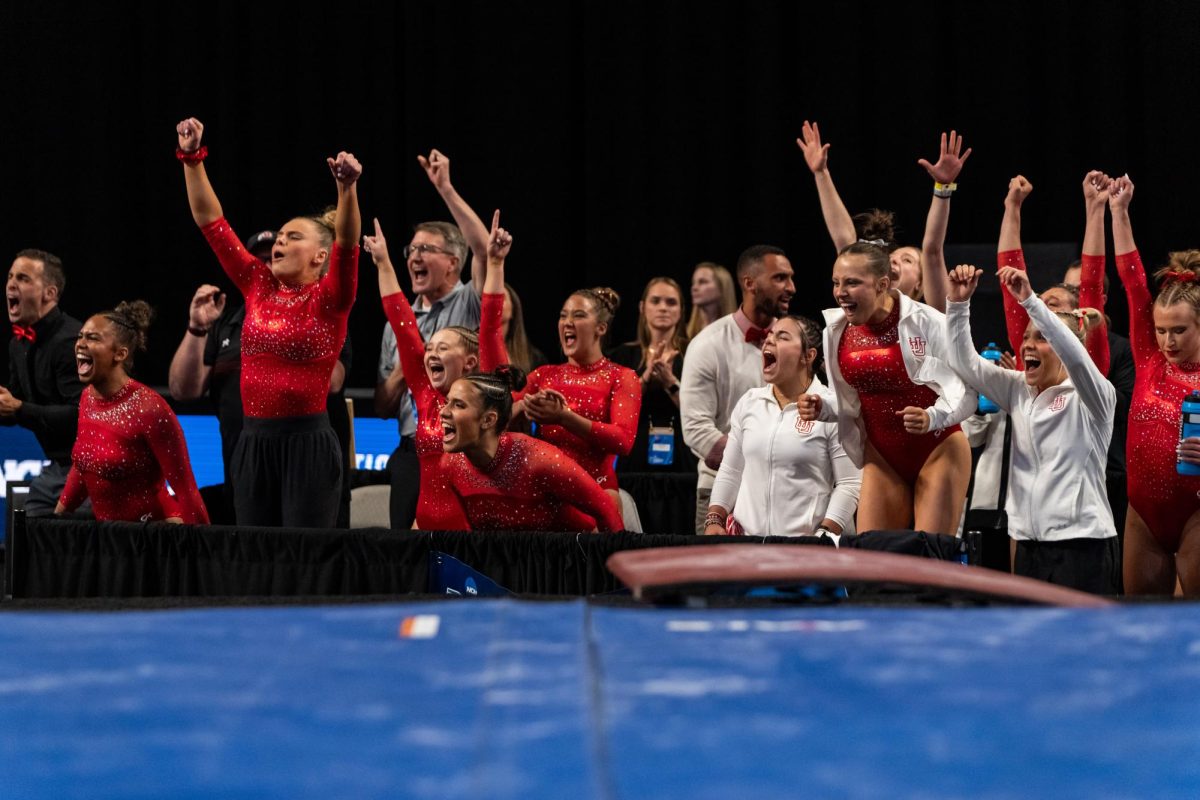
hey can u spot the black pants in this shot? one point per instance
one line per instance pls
(405, 470)
(287, 472)
(1090, 565)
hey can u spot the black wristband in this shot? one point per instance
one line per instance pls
(673, 388)
(199, 333)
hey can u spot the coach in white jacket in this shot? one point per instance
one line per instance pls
(724, 361)
(1062, 418)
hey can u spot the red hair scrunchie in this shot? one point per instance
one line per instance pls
(1181, 275)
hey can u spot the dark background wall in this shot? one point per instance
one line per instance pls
(620, 139)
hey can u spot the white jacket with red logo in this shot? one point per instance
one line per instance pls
(1060, 436)
(922, 332)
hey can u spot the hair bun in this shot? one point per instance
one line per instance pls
(607, 296)
(876, 225)
(512, 375)
(138, 314)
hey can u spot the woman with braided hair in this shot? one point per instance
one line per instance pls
(510, 481)
(432, 367)
(129, 440)
(1162, 530)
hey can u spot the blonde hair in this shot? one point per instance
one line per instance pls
(1080, 321)
(1180, 280)
(724, 281)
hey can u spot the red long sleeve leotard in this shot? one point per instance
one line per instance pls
(530, 486)
(1091, 295)
(126, 444)
(437, 509)
(292, 334)
(607, 394)
(871, 362)
(1161, 496)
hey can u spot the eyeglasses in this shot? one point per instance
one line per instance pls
(411, 250)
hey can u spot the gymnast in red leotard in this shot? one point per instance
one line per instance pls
(129, 439)
(287, 464)
(509, 481)
(1162, 530)
(432, 368)
(589, 406)
(1091, 279)
(899, 403)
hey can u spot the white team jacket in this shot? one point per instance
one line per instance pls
(1059, 437)
(781, 476)
(922, 331)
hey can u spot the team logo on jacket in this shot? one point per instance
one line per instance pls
(917, 345)
(1059, 403)
(804, 426)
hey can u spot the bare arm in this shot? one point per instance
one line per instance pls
(201, 197)
(347, 222)
(837, 219)
(933, 258)
(188, 375)
(437, 167)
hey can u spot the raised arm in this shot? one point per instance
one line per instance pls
(410, 347)
(976, 371)
(1091, 273)
(437, 168)
(933, 258)
(188, 375)
(816, 156)
(1097, 393)
(1133, 274)
(347, 227)
(1009, 254)
(206, 209)
(492, 352)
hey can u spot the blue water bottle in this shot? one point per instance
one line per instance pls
(991, 353)
(1189, 426)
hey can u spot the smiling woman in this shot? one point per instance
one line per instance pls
(287, 465)
(589, 406)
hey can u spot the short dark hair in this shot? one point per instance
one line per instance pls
(753, 256)
(52, 268)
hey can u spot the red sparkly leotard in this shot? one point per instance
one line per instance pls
(126, 444)
(1161, 496)
(871, 363)
(607, 394)
(1091, 295)
(530, 486)
(437, 509)
(292, 334)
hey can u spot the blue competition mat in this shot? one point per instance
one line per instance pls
(500, 699)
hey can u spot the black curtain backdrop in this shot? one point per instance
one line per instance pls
(621, 139)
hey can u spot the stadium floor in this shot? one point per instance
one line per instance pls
(510, 698)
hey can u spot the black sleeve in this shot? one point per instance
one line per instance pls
(1121, 372)
(57, 417)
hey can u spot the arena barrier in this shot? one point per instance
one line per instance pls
(64, 558)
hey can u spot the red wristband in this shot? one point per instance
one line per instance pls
(193, 157)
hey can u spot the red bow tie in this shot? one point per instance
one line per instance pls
(755, 336)
(22, 332)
